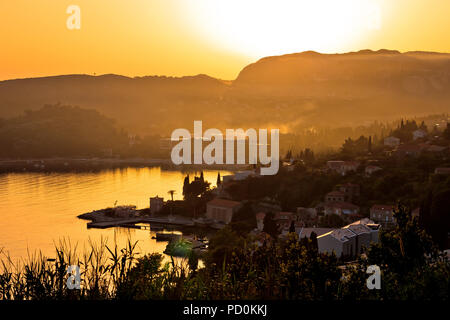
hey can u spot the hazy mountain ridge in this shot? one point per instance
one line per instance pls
(348, 88)
(300, 89)
(384, 69)
(134, 102)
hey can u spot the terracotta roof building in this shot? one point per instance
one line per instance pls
(383, 214)
(334, 196)
(221, 210)
(442, 170)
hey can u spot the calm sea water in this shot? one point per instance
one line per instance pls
(38, 210)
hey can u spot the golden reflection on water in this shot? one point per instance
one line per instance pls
(39, 209)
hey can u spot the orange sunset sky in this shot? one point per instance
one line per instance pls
(215, 37)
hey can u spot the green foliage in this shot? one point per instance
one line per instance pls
(297, 188)
(60, 131)
(145, 280)
(270, 226)
(244, 219)
(405, 130)
(286, 269)
(238, 268)
(411, 266)
(434, 215)
(360, 146)
(179, 248)
(222, 244)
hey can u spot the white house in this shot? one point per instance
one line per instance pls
(364, 236)
(391, 141)
(221, 210)
(418, 134)
(339, 241)
(374, 227)
(260, 221)
(349, 240)
(342, 167)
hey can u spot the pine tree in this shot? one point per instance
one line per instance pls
(218, 179)
(435, 131)
(313, 238)
(423, 126)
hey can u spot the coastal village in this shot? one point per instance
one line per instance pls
(360, 220)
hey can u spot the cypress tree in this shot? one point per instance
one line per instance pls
(218, 179)
(313, 238)
(292, 227)
(270, 226)
(185, 186)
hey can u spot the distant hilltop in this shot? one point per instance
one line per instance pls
(404, 71)
(306, 89)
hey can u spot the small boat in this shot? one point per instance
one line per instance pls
(162, 236)
(155, 227)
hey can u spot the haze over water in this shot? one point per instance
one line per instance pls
(39, 209)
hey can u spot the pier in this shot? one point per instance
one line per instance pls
(131, 222)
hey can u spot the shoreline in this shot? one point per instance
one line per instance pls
(101, 219)
(94, 164)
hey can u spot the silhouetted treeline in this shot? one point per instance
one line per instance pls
(330, 138)
(65, 131)
(56, 130)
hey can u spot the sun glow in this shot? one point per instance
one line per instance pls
(270, 27)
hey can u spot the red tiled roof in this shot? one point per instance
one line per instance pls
(442, 170)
